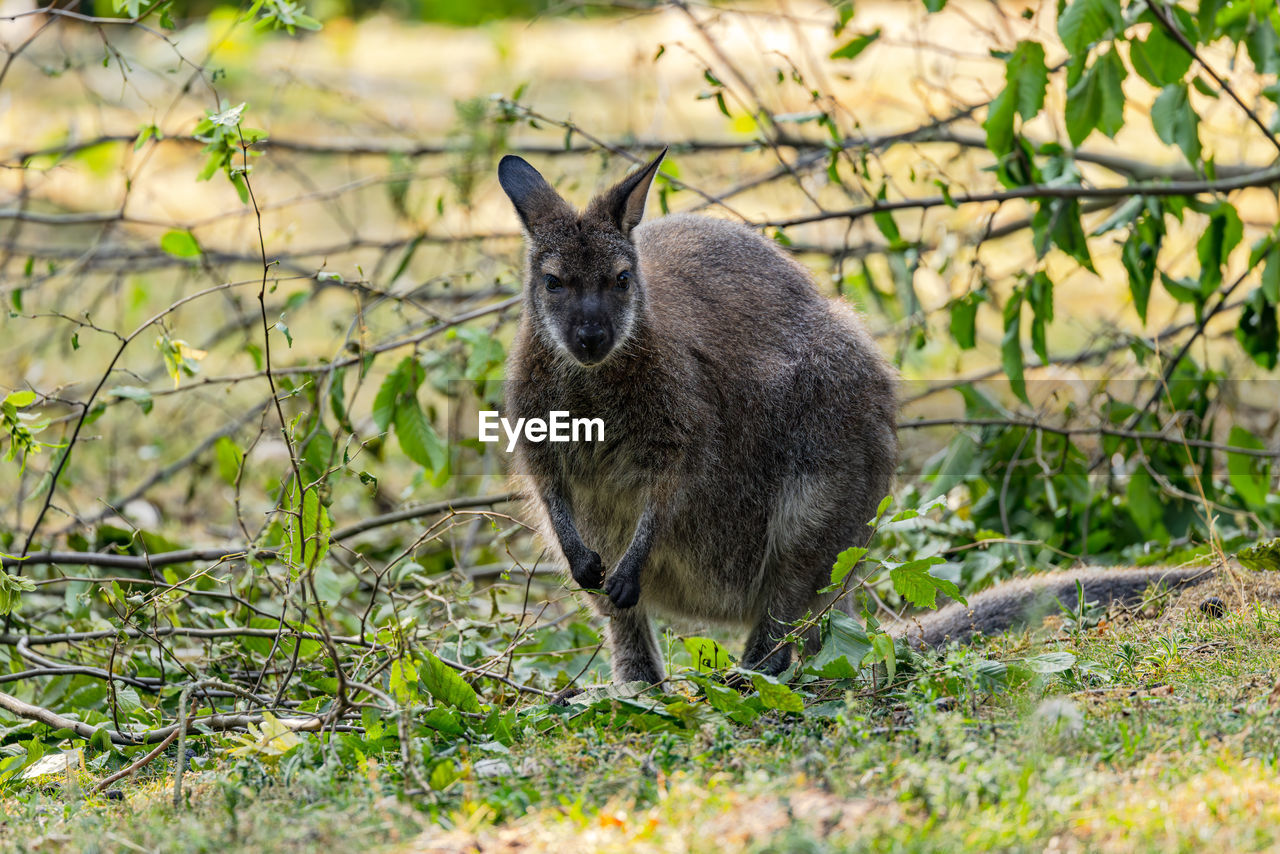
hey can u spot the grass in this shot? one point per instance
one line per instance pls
(1163, 736)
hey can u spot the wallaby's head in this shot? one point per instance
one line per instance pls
(582, 288)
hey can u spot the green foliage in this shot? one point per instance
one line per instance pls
(227, 146)
(22, 427)
(397, 404)
(1026, 79)
(180, 244)
(1097, 99)
(308, 526)
(1175, 122)
(1082, 23)
(1263, 556)
(852, 48)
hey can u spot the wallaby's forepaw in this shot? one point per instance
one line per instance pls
(623, 589)
(588, 571)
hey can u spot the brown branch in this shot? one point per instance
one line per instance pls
(219, 722)
(225, 553)
(1261, 178)
(1086, 431)
(133, 767)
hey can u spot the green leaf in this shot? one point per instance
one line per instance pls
(1057, 222)
(1026, 78)
(1261, 43)
(229, 458)
(729, 702)
(845, 562)
(403, 681)
(999, 123)
(418, 439)
(284, 330)
(1027, 75)
(852, 48)
(308, 532)
(140, 396)
(384, 404)
(775, 695)
(1011, 345)
(445, 773)
(1050, 662)
(1262, 556)
(1143, 501)
(444, 721)
(1159, 59)
(1084, 22)
(1175, 122)
(844, 647)
(1040, 296)
(1097, 100)
(180, 244)
(885, 222)
(1183, 290)
(1259, 329)
(882, 650)
(914, 583)
(1139, 254)
(127, 700)
(444, 683)
(1222, 235)
(1271, 276)
(964, 319)
(934, 5)
(147, 132)
(708, 656)
(20, 398)
(485, 354)
(11, 589)
(1249, 476)
(885, 504)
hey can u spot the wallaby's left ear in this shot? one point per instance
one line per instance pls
(624, 204)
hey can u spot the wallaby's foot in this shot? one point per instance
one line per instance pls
(767, 651)
(588, 571)
(637, 671)
(623, 589)
(634, 647)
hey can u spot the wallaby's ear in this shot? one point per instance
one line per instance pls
(624, 204)
(532, 196)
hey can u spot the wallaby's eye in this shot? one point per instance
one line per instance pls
(552, 283)
(624, 279)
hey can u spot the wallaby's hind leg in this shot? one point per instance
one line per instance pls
(784, 611)
(634, 647)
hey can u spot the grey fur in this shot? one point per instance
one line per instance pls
(1026, 600)
(749, 421)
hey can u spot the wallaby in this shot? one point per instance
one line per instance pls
(750, 423)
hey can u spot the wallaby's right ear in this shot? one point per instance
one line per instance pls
(532, 196)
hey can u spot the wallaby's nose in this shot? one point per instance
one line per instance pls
(591, 338)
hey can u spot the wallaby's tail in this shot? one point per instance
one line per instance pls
(1026, 600)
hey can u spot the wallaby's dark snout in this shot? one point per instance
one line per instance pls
(593, 342)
